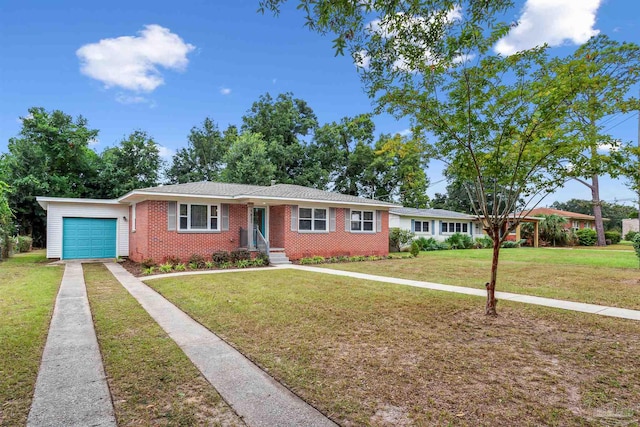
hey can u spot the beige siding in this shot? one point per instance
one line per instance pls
(58, 210)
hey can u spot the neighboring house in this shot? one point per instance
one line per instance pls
(436, 223)
(629, 224)
(201, 218)
(441, 223)
(575, 221)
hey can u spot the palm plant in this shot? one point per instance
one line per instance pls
(552, 229)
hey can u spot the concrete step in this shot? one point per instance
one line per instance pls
(277, 258)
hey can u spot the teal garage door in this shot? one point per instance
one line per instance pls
(88, 238)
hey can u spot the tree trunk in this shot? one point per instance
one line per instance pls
(597, 210)
(490, 308)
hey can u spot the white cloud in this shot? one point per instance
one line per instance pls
(94, 142)
(609, 146)
(166, 152)
(131, 62)
(405, 132)
(554, 22)
(225, 90)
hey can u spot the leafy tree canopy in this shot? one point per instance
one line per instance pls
(134, 163)
(202, 159)
(49, 157)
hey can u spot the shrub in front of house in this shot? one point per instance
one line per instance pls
(166, 267)
(148, 263)
(172, 260)
(262, 257)
(613, 236)
(484, 242)
(220, 257)
(398, 238)
(197, 260)
(510, 244)
(239, 255)
(630, 235)
(415, 248)
(587, 237)
(460, 241)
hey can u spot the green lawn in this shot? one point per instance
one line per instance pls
(592, 276)
(152, 381)
(28, 290)
(368, 353)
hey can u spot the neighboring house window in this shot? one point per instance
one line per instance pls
(362, 221)
(575, 225)
(312, 219)
(478, 228)
(198, 217)
(455, 227)
(421, 226)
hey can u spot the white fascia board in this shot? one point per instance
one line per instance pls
(44, 201)
(131, 196)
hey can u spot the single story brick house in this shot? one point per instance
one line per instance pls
(287, 221)
(575, 221)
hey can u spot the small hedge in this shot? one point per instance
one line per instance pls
(587, 237)
(613, 236)
(630, 235)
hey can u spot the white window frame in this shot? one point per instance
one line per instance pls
(313, 219)
(362, 221)
(209, 217)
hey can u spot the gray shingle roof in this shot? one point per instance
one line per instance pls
(278, 191)
(203, 188)
(431, 213)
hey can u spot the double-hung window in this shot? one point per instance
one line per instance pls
(196, 217)
(362, 221)
(421, 226)
(312, 219)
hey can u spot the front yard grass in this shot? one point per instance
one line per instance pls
(597, 277)
(28, 290)
(152, 381)
(368, 353)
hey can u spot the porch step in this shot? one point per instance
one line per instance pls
(277, 258)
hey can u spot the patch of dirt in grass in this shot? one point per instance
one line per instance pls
(380, 355)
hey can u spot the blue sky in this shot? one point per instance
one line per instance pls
(217, 57)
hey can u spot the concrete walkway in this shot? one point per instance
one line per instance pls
(601, 310)
(254, 395)
(71, 389)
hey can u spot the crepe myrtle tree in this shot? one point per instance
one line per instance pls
(497, 122)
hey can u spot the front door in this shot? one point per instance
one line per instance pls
(260, 222)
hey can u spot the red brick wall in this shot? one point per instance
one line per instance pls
(139, 240)
(162, 243)
(338, 243)
(276, 226)
(153, 240)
